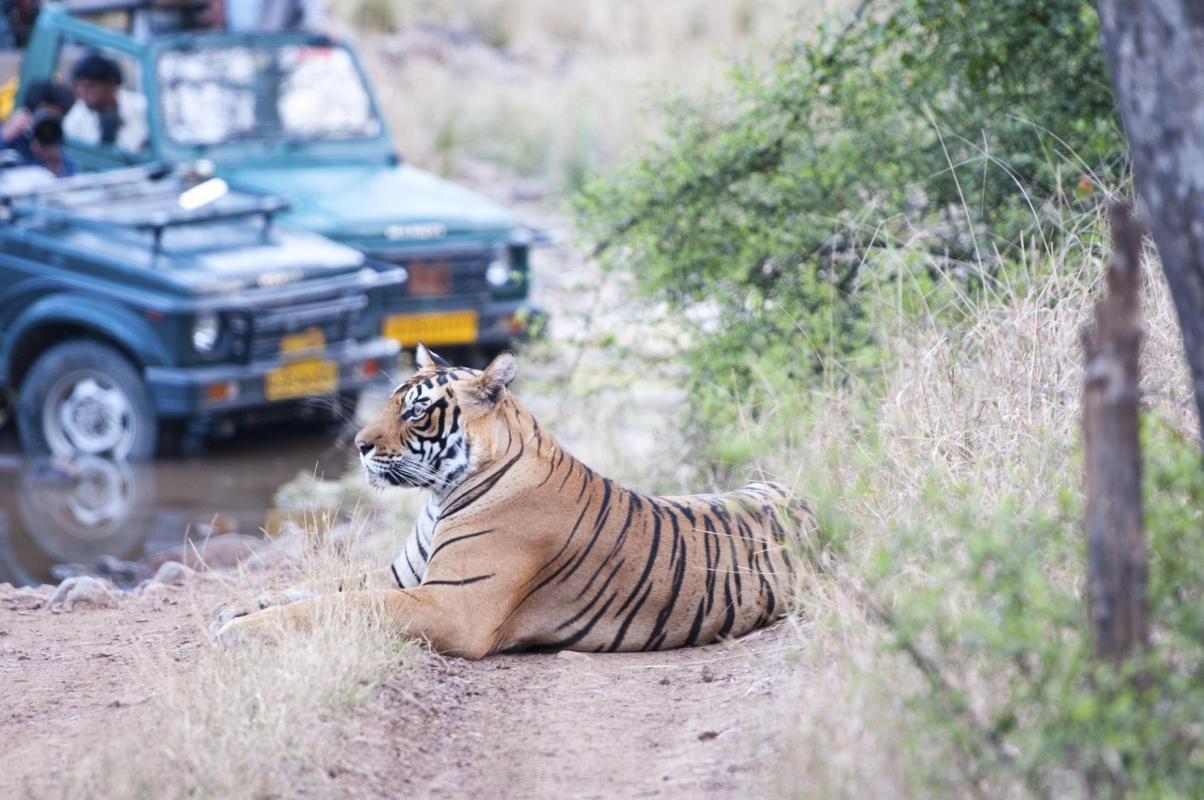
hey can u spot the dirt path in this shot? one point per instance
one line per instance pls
(678, 724)
(65, 678)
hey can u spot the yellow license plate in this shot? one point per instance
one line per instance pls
(450, 327)
(302, 379)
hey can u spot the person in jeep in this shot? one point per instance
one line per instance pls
(105, 113)
(35, 131)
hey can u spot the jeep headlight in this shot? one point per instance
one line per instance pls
(205, 331)
(498, 273)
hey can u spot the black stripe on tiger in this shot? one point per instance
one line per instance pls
(460, 581)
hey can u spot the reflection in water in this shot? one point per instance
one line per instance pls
(62, 517)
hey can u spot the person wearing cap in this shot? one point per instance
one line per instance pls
(105, 113)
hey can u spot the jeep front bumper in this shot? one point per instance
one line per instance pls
(454, 324)
(190, 391)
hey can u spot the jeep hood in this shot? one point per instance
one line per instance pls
(362, 200)
(211, 261)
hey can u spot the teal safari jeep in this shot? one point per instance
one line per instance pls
(292, 115)
(151, 300)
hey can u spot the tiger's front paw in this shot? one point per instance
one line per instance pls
(239, 609)
(232, 633)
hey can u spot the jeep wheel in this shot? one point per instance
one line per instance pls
(84, 397)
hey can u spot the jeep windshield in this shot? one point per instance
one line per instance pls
(214, 94)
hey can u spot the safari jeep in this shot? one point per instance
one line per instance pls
(291, 114)
(148, 300)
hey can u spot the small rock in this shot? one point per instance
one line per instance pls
(155, 590)
(663, 681)
(173, 573)
(572, 655)
(82, 591)
(116, 569)
(125, 702)
(25, 599)
(707, 735)
(708, 674)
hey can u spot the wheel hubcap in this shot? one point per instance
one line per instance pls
(86, 412)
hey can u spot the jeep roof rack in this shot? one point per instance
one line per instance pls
(41, 202)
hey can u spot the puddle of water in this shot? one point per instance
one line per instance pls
(59, 518)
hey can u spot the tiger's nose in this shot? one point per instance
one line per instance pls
(364, 447)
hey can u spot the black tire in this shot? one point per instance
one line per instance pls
(113, 415)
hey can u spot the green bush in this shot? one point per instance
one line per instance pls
(967, 129)
(1001, 606)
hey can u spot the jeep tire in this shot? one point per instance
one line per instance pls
(82, 396)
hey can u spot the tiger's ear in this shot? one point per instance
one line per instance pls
(427, 359)
(495, 378)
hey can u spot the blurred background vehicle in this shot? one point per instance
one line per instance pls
(290, 112)
(146, 307)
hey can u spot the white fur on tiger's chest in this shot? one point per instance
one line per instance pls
(410, 566)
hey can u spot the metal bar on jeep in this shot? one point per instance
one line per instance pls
(83, 8)
(94, 180)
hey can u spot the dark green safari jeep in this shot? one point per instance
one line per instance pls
(154, 299)
(291, 114)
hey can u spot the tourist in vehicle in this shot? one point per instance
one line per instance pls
(35, 131)
(106, 113)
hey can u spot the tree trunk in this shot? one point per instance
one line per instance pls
(1155, 49)
(1116, 551)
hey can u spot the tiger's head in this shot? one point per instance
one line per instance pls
(438, 427)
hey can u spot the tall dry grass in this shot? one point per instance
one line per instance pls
(548, 90)
(969, 412)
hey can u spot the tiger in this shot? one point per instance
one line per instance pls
(521, 547)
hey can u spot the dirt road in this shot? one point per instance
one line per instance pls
(680, 724)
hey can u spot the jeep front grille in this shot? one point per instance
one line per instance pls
(335, 318)
(441, 275)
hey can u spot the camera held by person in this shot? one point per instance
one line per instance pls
(35, 131)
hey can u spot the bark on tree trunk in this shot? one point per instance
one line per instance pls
(1116, 550)
(1155, 49)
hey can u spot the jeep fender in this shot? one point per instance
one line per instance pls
(123, 327)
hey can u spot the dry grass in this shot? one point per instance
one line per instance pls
(984, 410)
(548, 90)
(260, 720)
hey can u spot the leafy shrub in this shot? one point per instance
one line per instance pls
(1002, 605)
(968, 125)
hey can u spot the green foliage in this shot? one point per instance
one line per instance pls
(1001, 606)
(951, 126)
